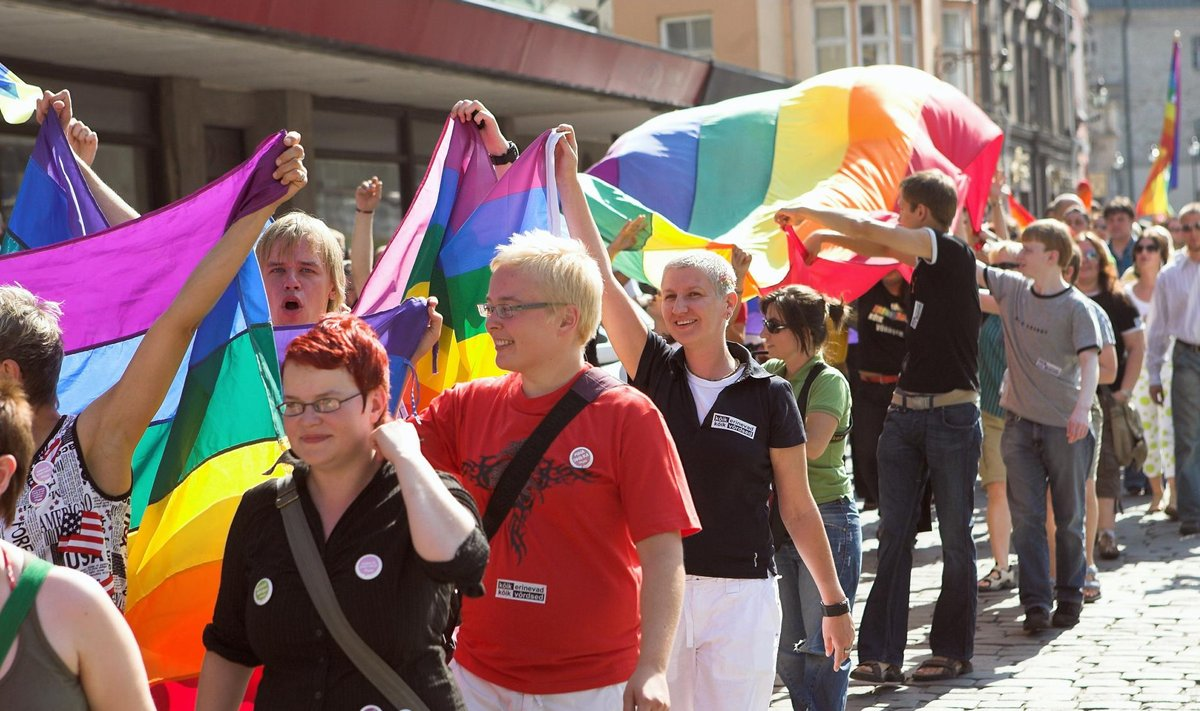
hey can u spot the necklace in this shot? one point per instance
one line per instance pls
(736, 368)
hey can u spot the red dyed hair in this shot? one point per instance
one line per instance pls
(343, 341)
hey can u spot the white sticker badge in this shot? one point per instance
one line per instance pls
(517, 590)
(369, 567)
(581, 458)
(262, 591)
(370, 707)
(43, 472)
(733, 424)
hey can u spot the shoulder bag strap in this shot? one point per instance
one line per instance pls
(316, 582)
(586, 388)
(802, 398)
(16, 609)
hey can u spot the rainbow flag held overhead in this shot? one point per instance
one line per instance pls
(842, 139)
(18, 100)
(54, 203)
(443, 247)
(1164, 174)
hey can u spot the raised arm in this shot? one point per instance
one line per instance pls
(626, 331)
(902, 242)
(84, 143)
(367, 197)
(110, 427)
(493, 138)
(661, 557)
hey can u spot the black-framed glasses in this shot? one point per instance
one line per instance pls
(326, 405)
(773, 326)
(506, 311)
(1145, 247)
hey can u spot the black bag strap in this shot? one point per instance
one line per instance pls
(316, 581)
(802, 399)
(585, 389)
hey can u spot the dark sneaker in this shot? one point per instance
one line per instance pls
(1036, 620)
(1066, 614)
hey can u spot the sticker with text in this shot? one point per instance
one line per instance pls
(516, 590)
(733, 424)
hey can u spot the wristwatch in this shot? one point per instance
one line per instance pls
(507, 156)
(837, 609)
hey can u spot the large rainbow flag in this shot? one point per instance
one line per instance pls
(1164, 174)
(841, 139)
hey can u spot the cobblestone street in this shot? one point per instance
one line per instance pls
(1138, 647)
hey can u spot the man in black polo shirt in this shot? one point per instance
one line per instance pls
(932, 431)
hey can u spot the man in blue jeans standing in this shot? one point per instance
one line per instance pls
(1175, 313)
(932, 432)
(1052, 345)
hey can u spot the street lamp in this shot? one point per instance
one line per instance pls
(1194, 152)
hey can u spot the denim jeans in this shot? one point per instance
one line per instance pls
(1038, 456)
(1185, 406)
(941, 446)
(809, 675)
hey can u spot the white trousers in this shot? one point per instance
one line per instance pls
(723, 657)
(482, 695)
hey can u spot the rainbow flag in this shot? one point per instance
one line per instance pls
(18, 100)
(54, 203)
(842, 139)
(443, 247)
(1164, 174)
(1020, 215)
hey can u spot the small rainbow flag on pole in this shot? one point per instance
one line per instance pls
(18, 100)
(1164, 174)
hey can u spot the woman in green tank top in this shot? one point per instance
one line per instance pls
(63, 644)
(795, 331)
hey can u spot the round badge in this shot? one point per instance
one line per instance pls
(262, 591)
(43, 472)
(38, 494)
(369, 567)
(373, 707)
(581, 458)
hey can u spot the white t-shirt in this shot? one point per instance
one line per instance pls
(705, 392)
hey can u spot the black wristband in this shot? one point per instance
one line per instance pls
(836, 609)
(506, 157)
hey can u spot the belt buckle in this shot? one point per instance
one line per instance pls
(926, 399)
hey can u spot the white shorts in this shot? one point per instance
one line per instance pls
(724, 652)
(482, 695)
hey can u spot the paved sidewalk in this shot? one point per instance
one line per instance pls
(1138, 647)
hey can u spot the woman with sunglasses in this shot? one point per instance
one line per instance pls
(393, 534)
(795, 332)
(1150, 254)
(1098, 279)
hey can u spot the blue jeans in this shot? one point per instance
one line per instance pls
(940, 446)
(809, 675)
(1185, 403)
(1038, 456)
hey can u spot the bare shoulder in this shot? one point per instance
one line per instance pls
(70, 606)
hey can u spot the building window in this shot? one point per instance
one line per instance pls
(907, 22)
(956, 50)
(833, 37)
(692, 35)
(1196, 52)
(874, 34)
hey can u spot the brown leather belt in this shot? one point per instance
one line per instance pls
(877, 378)
(928, 401)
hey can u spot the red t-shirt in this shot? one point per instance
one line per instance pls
(561, 612)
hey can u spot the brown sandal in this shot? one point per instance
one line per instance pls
(941, 668)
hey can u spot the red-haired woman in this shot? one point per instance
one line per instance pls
(393, 535)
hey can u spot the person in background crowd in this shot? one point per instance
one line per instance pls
(394, 536)
(1175, 228)
(1119, 221)
(882, 317)
(1150, 255)
(68, 648)
(1175, 313)
(795, 332)
(367, 197)
(1051, 343)
(301, 263)
(84, 462)
(932, 431)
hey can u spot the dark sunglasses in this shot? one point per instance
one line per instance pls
(774, 326)
(1147, 247)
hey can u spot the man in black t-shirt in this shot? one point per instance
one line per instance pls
(932, 431)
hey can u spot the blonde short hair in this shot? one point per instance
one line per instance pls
(297, 227)
(562, 269)
(718, 270)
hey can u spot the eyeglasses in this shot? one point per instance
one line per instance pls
(1146, 247)
(506, 311)
(326, 405)
(1190, 228)
(773, 326)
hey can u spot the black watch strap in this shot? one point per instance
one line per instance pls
(507, 156)
(836, 609)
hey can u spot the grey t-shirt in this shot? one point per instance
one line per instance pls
(1043, 337)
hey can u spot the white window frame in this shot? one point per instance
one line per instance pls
(687, 20)
(909, 39)
(843, 41)
(963, 61)
(886, 38)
